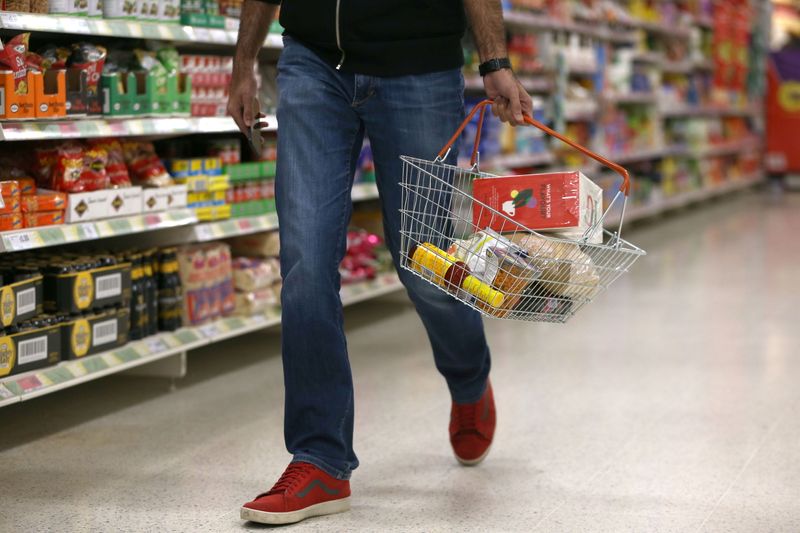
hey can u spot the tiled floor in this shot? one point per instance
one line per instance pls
(670, 404)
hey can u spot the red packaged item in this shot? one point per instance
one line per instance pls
(116, 169)
(9, 188)
(10, 203)
(94, 175)
(68, 168)
(44, 162)
(10, 222)
(27, 186)
(43, 218)
(556, 200)
(144, 165)
(44, 201)
(12, 55)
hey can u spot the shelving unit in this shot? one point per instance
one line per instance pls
(66, 374)
(86, 128)
(46, 236)
(133, 29)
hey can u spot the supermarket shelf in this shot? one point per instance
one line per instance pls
(631, 98)
(686, 66)
(576, 114)
(39, 130)
(646, 155)
(519, 160)
(32, 238)
(27, 239)
(234, 227)
(532, 84)
(363, 192)
(708, 110)
(682, 200)
(125, 28)
(725, 149)
(36, 383)
(676, 32)
(545, 22)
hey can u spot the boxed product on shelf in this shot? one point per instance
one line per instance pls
(74, 284)
(257, 283)
(18, 100)
(11, 221)
(43, 218)
(206, 278)
(163, 198)
(19, 300)
(50, 94)
(264, 244)
(31, 348)
(44, 200)
(94, 333)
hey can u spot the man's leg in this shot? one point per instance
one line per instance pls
(318, 145)
(415, 116)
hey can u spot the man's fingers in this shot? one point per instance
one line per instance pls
(248, 110)
(236, 113)
(516, 110)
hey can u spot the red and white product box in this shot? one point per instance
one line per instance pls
(565, 201)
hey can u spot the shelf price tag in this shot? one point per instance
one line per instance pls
(21, 241)
(88, 231)
(210, 331)
(75, 25)
(156, 345)
(203, 232)
(10, 21)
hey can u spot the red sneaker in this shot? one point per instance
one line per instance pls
(472, 428)
(301, 492)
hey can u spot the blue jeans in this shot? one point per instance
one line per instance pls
(323, 115)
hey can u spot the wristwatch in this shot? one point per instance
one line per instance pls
(494, 65)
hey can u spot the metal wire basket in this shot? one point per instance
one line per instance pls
(511, 271)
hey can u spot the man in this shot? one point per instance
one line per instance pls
(392, 69)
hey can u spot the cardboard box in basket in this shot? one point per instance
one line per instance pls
(558, 201)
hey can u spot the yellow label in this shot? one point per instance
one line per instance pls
(81, 337)
(428, 258)
(789, 96)
(8, 306)
(83, 290)
(483, 291)
(8, 355)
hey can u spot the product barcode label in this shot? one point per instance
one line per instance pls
(104, 332)
(32, 350)
(26, 301)
(108, 286)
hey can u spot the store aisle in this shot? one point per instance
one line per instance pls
(671, 404)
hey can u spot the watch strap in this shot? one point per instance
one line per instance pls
(494, 64)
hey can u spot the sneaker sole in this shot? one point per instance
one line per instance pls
(474, 462)
(320, 509)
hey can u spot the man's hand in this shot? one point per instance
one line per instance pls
(254, 22)
(511, 99)
(241, 94)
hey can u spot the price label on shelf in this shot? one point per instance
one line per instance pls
(88, 231)
(75, 25)
(11, 21)
(135, 29)
(23, 240)
(203, 232)
(210, 331)
(156, 345)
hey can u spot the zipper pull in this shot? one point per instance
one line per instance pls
(341, 61)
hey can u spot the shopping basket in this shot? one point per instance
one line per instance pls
(484, 258)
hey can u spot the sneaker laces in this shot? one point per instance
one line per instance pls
(467, 418)
(294, 474)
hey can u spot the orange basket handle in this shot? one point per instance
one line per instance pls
(626, 180)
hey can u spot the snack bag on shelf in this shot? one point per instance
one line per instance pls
(144, 164)
(257, 301)
(89, 58)
(225, 276)
(115, 167)
(193, 268)
(550, 201)
(68, 169)
(13, 57)
(94, 174)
